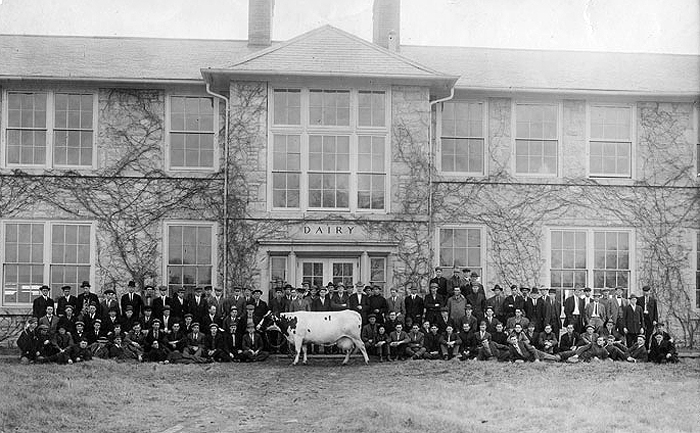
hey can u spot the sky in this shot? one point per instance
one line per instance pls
(658, 26)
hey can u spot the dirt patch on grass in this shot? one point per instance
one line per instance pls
(420, 396)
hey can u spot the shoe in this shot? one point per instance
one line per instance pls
(446, 358)
(381, 359)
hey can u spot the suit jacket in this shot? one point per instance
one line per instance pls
(151, 337)
(510, 303)
(415, 341)
(526, 351)
(652, 309)
(433, 304)
(215, 342)
(340, 302)
(396, 305)
(570, 305)
(414, 307)
(87, 299)
(512, 321)
(239, 303)
(253, 343)
(233, 343)
(278, 306)
(633, 318)
(478, 303)
(491, 324)
(178, 307)
(319, 304)
(442, 285)
(566, 341)
(191, 340)
(615, 310)
(469, 342)
(552, 314)
(377, 305)
(51, 323)
(497, 302)
(105, 307)
(62, 302)
(298, 304)
(198, 309)
(136, 304)
(354, 304)
(402, 337)
(207, 321)
(39, 306)
(601, 312)
(369, 333)
(158, 304)
(431, 342)
(535, 311)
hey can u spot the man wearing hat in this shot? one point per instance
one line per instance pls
(638, 351)
(552, 311)
(90, 317)
(156, 349)
(161, 301)
(248, 318)
(633, 321)
(66, 299)
(340, 299)
(278, 302)
(359, 302)
(87, 298)
(496, 302)
(109, 303)
(595, 313)
(129, 318)
(512, 301)
(209, 319)
(298, 303)
(217, 298)
(147, 319)
(79, 331)
(40, 303)
(28, 341)
(432, 303)
(194, 345)
(215, 345)
(178, 304)
(650, 312)
(535, 309)
(252, 346)
(198, 304)
(166, 320)
(130, 298)
(261, 308)
(441, 282)
(68, 319)
(573, 310)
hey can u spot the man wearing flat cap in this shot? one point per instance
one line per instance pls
(156, 349)
(650, 313)
(178, 304)
(87, 298)
(161, 301)
(340, 299)
(252, 346)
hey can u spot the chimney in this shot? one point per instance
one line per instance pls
(260, 22)
(386, 20)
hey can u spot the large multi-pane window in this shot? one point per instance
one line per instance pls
(536, 139)
(49, 129)
(190, 258)
(461, 247)
(192, 132)
(610, 151)
(37, 253)
(462, 137)
(278, 271)
(590, 258)
(329, 149)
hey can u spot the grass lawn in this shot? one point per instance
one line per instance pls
(413, 396)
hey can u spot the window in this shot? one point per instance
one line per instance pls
(461, 248)
(50, 129)
(610, 141)
(377, 271)
(590, 258)
(38, 253)
(462, 137)
(536, 139)
(192, 132)
(190, 255)
(328, 150)
(278, 272)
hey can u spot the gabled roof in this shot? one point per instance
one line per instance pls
(113, 58)
(329, 52)
(576, 71)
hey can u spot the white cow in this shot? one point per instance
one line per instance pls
(322, 327)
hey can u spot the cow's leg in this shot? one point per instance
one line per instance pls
(297, 350)
(359, 343)
(305, 349)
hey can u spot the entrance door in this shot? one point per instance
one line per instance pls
(321, 271)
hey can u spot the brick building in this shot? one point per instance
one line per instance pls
(345, 160)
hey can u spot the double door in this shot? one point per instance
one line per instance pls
(320, 271)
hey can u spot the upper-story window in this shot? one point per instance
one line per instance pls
(50, 129)
(536, 139)
(192, 132)
(462, 137)
(610, 141)
(329, 149)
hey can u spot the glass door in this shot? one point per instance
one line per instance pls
(321, 271)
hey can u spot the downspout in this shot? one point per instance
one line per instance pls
(431, 163)
(226, 175)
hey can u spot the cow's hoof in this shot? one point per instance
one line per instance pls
(305, 363)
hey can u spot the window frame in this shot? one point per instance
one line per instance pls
(353, 130)
(191, 223)
(50, 126)
(439, 137)
(559, 104)
(47, 254)
(697, 270)
(482, 249)
(590, 252)
(168, 130)
(633, 139)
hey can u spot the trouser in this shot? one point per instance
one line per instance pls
(249, 356)
(415, 352)
(380, 349)
(431, 355)
(648, 330)
(597, 322)
(616, 354)
(450, 351)
(631, 339)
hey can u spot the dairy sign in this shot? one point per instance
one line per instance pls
(328, 231)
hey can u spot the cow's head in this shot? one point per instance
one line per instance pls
(287, 325)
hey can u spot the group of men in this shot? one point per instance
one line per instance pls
(455, 319)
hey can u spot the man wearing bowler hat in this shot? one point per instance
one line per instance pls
(40, 303)
(132, 299)
(66, 299)
(633, 321)
(87, 298)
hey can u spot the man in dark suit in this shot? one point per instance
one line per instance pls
(440, 281)
(359, 302)
(322, 302)
(278, 302)
(178, 304)
(616, 304)
(198, 304)
(236, 300)
(535, 309)
(552, 312)
(573, 310)
(66, 299)
(512, 302)
(456, 280)
(50, 320)
(211, 318)
(432, 303)
(252, 346)
(340, 299)
(132, 299)
(377, 304)
(633, 318)
(569, 342)
(160, 302)
(39, 305)
(88, 298)
(414, 306)
(496, 302)
(261, 307)
(109, 303)
(650, 312)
